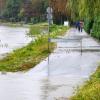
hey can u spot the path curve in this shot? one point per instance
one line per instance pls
(68, 69)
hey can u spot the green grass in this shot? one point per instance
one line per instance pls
(91, 89)
(38, 29)
(27, 57)
(10, 24)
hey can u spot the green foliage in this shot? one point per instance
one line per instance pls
(88, 24)
(56, 30)
(53, 28)
(91, 90)
(25, 10)
(37, 19)
(12, 9)
(96, 28)
(89, 11)
(38, 29)
(27, 57)
(34, 20)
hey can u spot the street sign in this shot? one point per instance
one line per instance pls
(49, 10)
(50, 15)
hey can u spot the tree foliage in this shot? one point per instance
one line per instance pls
(87, 10)
(12, 8)
(59, 10)
(24, 9)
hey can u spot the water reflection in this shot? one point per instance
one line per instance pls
(58, 88)
(45, 89)
(12, 38)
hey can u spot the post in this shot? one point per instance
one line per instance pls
(81, 47)
(48, 48)
(49, 17)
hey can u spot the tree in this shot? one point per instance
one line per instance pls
(35, 9)
(2, 6)
(59, 10)
(89, 11)
(12, 9)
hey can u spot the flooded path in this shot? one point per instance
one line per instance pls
(67, 70)
(12, 38)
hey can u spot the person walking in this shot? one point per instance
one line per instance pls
(81, 25)
(78, 25)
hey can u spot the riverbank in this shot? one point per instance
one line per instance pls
(12, 24)
(27, 57)
(22, 24)
(91, 89)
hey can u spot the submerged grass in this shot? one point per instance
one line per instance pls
(91, 89)
(27, 57)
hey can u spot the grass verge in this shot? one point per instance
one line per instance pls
(27, 57)
(91, 89)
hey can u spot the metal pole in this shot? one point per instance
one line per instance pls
(49, 44)
(48, 48)
(81, 47)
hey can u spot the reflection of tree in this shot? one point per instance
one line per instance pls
(45, 89)
(48, 88)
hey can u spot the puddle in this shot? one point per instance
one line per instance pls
(12, 38)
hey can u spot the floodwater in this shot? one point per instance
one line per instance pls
(12, 38)
(67, 70)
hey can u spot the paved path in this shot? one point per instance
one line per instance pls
(68, 69)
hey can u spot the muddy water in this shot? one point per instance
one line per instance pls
(12, 38)
(67, 70)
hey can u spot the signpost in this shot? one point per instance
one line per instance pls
(49, 15)
(50, 22)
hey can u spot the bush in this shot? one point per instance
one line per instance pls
(96, 28)
(34, 20)
(38, 19)
(91, 89)
(37, 29)
(88, 25)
